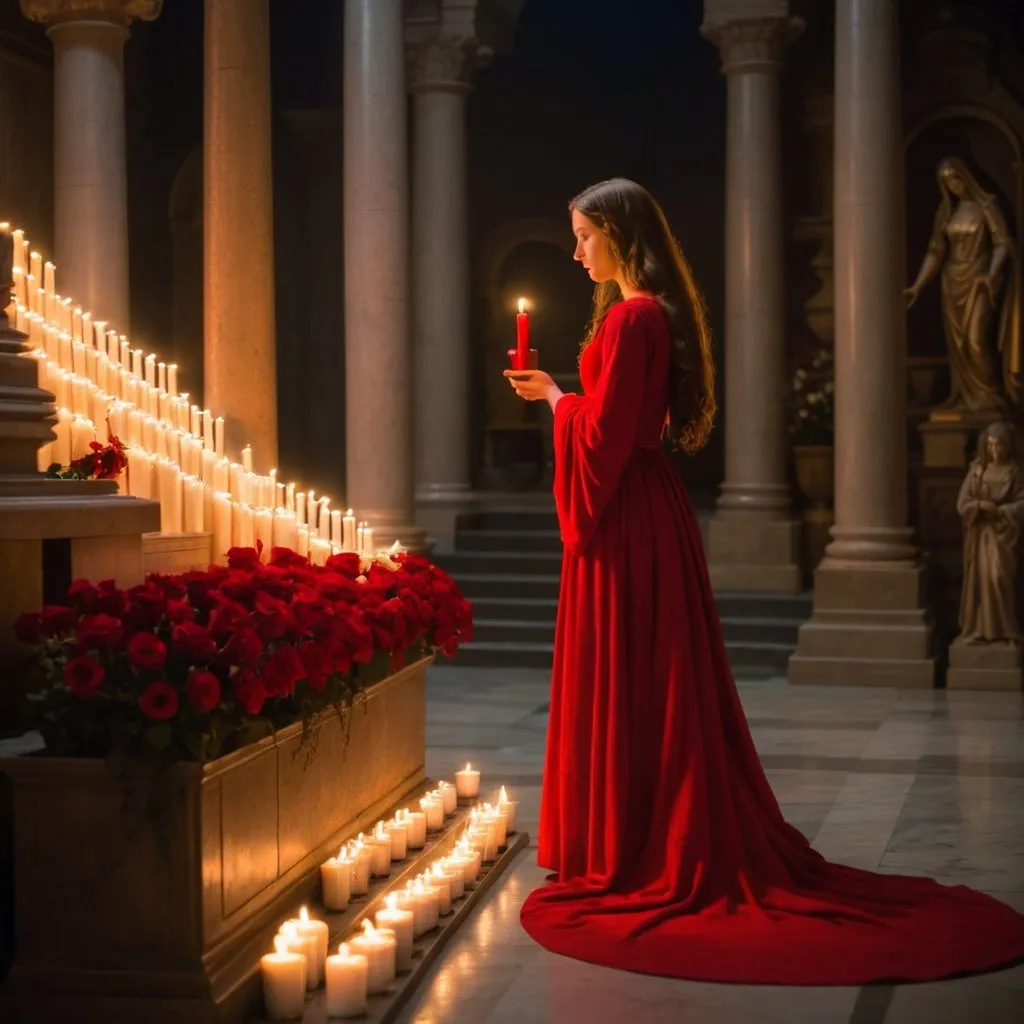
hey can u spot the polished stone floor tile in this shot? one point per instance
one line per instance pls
(911, 782)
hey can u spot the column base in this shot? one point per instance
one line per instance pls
(870, 627)
(748, 552)
(996, 666)
(438, 508)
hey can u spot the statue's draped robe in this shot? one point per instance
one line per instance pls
(988, 600)
(670, 852)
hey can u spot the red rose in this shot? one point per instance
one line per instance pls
(249, 691)
(147, 651)
(82, 594)
(243, 558)
(316, 660)
(98, 631)
(83, 676)
(203, 691)
(347, 564)
(286, 558)
(244, 648)
(57, 620)
(146, 604)
(110, 600)
(282, 671)
(179, 610)
(194, 641)
(228, 619)
(273, 619)
(28, 628)
(159, 701)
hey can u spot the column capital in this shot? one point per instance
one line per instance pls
(445, 65)
(117, 12)
(753, 44)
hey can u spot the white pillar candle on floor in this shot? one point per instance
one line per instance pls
(467, 783)
(401, 921)
(83, 433)
(380, 853)
(379, 948)
(399, 833)
(360, 867)
(286, 531)
(406, 899)
(348, 531)
(247, 458)
(510, 809)
(35, 266)
(302, 547)
(222, 525)
(430, 899)
(347, 980)
(482, 839)
(416, 823)
(172, 379)
(437, 878)
(306, 925)
(193, 504)
(305, 945)
(449, 797)
(208, 429)
(336, 881)
(433, 807)
(454, 871)
(263, 520)
(497, 821)
(284, 981)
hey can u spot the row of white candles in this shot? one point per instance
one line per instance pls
(103, 386)
(368, 962)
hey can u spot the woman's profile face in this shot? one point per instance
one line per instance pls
(592, 248)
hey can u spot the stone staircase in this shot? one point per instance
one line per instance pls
(507, 561)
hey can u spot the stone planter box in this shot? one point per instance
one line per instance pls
(113, 925)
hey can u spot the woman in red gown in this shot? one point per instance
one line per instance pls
(670, 853)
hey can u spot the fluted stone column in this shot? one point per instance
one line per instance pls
(753, 537)
(439, 73)
(378, 372)
(239, 347)
(870, 624)
(89, 175)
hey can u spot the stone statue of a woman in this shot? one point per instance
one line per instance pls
(991, 507)
(972, 247)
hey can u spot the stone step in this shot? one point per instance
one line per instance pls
(528, 517)
(514, 631)
(760, 629)
(491, 654)
(508, 540)
(475, 585)
(520, 563)
(763, 604)
(522, 609)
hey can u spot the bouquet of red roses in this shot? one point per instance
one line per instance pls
(104, 462)
(194, 665)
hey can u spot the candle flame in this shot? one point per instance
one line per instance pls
(522, 305)
(280, 944)
(303, 914)
(379, 831)
(438, 871)
(289, 930)
(392, 901)
(468, 767)
(368, 928)
(343, 950)
(503, 796)
(418, 887)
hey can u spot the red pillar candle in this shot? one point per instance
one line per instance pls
(522, 337)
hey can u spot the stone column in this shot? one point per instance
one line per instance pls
(378, 373)
(89, 175)
(240, 359)
(869, 624)
(439, 79)
(753, 537)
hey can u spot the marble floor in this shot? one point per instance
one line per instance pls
(906, 781)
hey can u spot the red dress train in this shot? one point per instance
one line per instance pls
(670, 851)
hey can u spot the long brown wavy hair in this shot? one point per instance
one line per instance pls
(641, 242)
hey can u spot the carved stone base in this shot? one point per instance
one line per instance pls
(746, 552)
(948, 437)
(995, 666)
(869, 627)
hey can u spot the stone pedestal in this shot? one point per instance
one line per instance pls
(949, 438)
(754, 540)
(378, 375)
(239, 346)
(439, 71)
(996, 666)
(89, 172)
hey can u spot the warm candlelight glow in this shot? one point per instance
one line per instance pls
(303, 914)
(522, 305)
(391, 901)
(280, 943)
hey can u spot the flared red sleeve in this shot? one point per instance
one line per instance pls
(595, 433)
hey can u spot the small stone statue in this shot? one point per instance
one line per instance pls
(991, 507)
(974, 251)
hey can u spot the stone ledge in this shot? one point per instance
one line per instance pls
(899, 672)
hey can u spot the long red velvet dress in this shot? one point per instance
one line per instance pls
(670, 851)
